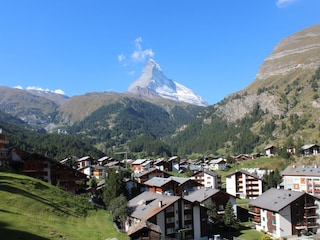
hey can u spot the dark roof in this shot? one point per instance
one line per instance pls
(141, 225)
(201, 194)
(148, 204)
(211, 173)
(161, 181)
(304, 170)
(268, 147)
(147, 172)
(206, 171)
(157, 181)
(245, 172)
(308, 146)
(276, 199)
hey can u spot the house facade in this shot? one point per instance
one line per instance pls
(243, 184)
(218, 164)
(207, 178)
(85, 162)
(148, 174)
(284, 213)
(99, 172)
(176, 217)
(205, 195)
(140, 165)
(310, 149)
(305, 178)
(270, 150)
(46, 169)
(144, 230)
(172, 164)
(173, 186)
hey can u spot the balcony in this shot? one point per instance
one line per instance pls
(256, 220)
(254, 212)
(306, 225)
(309, 216)
(310, 206)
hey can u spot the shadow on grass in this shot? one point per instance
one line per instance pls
(229, 232)
(5, 186)
(7, 233)
(6, 211)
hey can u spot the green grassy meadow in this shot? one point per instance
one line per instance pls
(33, 209)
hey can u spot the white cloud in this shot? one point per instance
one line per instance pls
(139, 55)
(131, 73)
(57, 91)
(121, 57)
(284, 3)
(18, 87)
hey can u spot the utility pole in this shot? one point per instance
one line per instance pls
(125, 154)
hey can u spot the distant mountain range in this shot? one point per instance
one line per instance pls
(280, 107)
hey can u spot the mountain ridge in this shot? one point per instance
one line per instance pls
(153, 82)
(282, 102)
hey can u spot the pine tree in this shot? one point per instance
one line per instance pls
(212, 212)
(114, 186)
(229, 217)
(118, 208)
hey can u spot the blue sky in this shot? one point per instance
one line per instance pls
(77, 46)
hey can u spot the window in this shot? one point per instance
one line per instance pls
(274, 222)
(169, 209)
(220, 207)
(188, 226)
(170, 219)
(170, 230)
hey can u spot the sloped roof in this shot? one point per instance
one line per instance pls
(269, 146)
(138, 161)
(211, 173)
(276, 199)
(245, 172)
(180, 180)
(148, 204)
(104, 158)
(149, 171)
(217, 161)
(304, 170)
(201, 194)
(141, 225)
(84, 158)
(308, 146)
(158, 181)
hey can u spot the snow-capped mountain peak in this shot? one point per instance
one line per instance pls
(153, 81)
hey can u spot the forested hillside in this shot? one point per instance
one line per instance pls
(55, 146)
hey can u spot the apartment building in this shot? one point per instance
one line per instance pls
(207, 178)
(284, 213)
(244, 184)
(304, 178)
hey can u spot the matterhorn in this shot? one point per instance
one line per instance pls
(153, 82)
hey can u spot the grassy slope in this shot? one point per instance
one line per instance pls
(33, 209)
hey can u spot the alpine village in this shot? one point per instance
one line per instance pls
(139, 165)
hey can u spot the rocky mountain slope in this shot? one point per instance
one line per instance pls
(152, 82)
(285, 93)
(32, 108)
